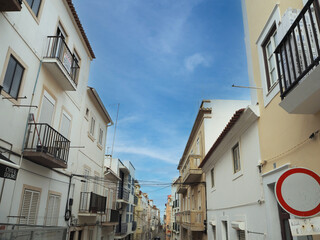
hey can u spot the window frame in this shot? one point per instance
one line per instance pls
(55, 194)
(212, 177)
(37, 16)
(92, 129)
(33, 189)
(18, 61)
(238, 160)
(270, 38)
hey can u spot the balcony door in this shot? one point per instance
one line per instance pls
(61, 36)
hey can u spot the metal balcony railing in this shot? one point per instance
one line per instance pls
(58, 49)
(42, 139)
(298, 52)
(121, 229)
(92, 203)
(21, 231)
(123, 193)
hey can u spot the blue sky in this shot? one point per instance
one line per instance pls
(159, 59)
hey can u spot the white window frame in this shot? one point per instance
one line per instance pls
(33, 191)
(268, 94)
(101, 136)
(54, 218)
(92, 128)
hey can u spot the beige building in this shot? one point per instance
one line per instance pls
(210, 121)
(141, 214)
(282, 41)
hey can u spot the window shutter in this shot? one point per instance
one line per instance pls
(65, 125)
(242, 235)
(47, 109)
(53, 210)
(29, 208)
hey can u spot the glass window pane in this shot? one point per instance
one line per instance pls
(9, 75)
(36, 6)
(30, 2)
(16, 81)
(269, 49)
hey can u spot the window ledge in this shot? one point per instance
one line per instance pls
(91, 137)
(99, 146)
(32, 13)
(9, 97)
(237, 175)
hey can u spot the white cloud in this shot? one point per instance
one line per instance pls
(149, 152)
(194, 61)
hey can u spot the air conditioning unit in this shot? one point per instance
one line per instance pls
(119, 205)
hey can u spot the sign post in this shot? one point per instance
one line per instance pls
(298, 193)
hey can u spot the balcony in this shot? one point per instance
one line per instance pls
(46, 146)
(134, 226)
(61, 63)
(91, 204)
(193, 220)
(181, 188)
(190, 171)
(123, 195)
(297, 62)
(121, 229)
(111, 217)
(10, 5)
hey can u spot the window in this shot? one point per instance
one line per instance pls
(87, 112)
(53, 208)
(269, 46)
(92, 125)
(34, 5)
(212, 177)
(13, 77)
(100, 136)
(236, 158)
(224, 229)
(65, 124)
(47, 108)
(29, 208)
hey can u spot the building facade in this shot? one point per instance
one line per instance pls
(209, 122)
(235, 198)
(288, 100)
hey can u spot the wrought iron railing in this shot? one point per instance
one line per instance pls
(123, 193)
(41, 137)
(92, 203)
(20, 231)
(298, 52)
(58, 49)
(121, 228)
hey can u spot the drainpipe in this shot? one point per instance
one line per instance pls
(26, 129)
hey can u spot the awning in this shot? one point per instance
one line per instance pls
(8, 169)
(238, 225)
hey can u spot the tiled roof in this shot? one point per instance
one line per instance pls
(225, 131)
(76, 18)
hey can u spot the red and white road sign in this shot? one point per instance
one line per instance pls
(298, 192)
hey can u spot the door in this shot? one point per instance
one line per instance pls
(284, 224)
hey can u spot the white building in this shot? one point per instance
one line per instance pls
(125, 201)
(53, 127)
(235, 200)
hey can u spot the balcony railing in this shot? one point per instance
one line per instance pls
(190, 171)
(46, 146)
(92, 203)
(10, 5)
(123, 194)
(121, 229)
(193, 219)
(298, 52)
(134, 226)
(111, 217)
(62, 62)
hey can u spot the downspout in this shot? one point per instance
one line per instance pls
(26, 129)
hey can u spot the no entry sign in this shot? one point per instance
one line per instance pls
(298, 192)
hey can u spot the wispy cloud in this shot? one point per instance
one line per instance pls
(148, 152)
(196, 60)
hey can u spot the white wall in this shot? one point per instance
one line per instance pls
(235, 197)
